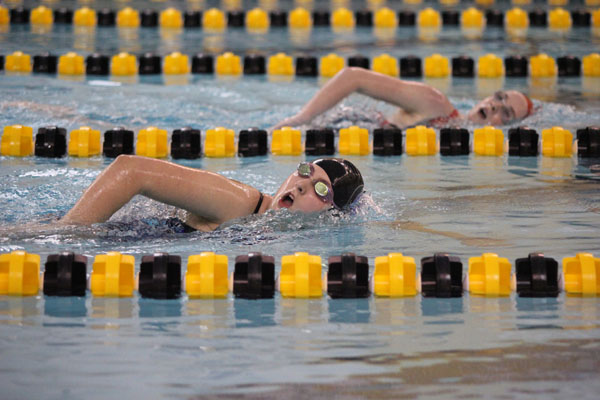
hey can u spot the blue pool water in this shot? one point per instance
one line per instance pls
(416, 347)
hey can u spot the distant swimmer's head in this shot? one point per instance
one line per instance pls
(320, 185)
(503, 107)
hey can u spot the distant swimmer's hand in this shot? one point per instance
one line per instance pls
(291, 121)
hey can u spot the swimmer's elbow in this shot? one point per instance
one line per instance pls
(352, 77)
(360, 76)
(125, 165)
(124, 160)
(126, 171)
(352, 70)
(131, 163)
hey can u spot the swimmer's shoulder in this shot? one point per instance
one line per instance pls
(259, 205)
(405, 119)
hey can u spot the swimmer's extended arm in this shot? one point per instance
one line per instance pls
(206, 194)
(412, 97)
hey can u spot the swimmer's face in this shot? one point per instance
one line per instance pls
(501, 108)
(298, 193)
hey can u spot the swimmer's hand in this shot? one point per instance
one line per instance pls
(291, 121)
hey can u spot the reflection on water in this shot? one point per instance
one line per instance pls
(433, 307)
(525, 370)
(298, 312)
(206, 315)
(19, 310)
(65, 307)
(65, 312)
(556, 169)
(349, 311)
(538, 313)
(523, 166)
(254, 313)
(490, 307)
(581, 312)
(401, 346)
(488, 86)
(533, 304)
(112, 308)
(152, 308)
(395, 311)
(543, 88)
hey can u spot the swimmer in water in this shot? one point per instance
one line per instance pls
(212, 199)
(418, 103)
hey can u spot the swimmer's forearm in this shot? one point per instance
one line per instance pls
(335, 90)
(111, 190)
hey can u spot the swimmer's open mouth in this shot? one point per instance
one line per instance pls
(286, 201)
(482, 112)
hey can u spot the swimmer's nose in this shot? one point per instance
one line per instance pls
(303, 186)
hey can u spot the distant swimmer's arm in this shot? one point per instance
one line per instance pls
(56, 110)
(206, 194)
(412, 97)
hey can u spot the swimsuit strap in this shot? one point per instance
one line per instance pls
(260, 200)
(384, 123)
(443, 120)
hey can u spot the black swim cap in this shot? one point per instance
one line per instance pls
(346, 180)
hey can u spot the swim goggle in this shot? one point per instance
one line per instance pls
(507, 112)
(322, 189)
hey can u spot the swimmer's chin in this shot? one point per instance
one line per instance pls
(474, 117)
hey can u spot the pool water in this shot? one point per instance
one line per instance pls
(354, 348)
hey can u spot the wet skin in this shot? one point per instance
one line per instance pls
(297, 193)
(503, 107)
